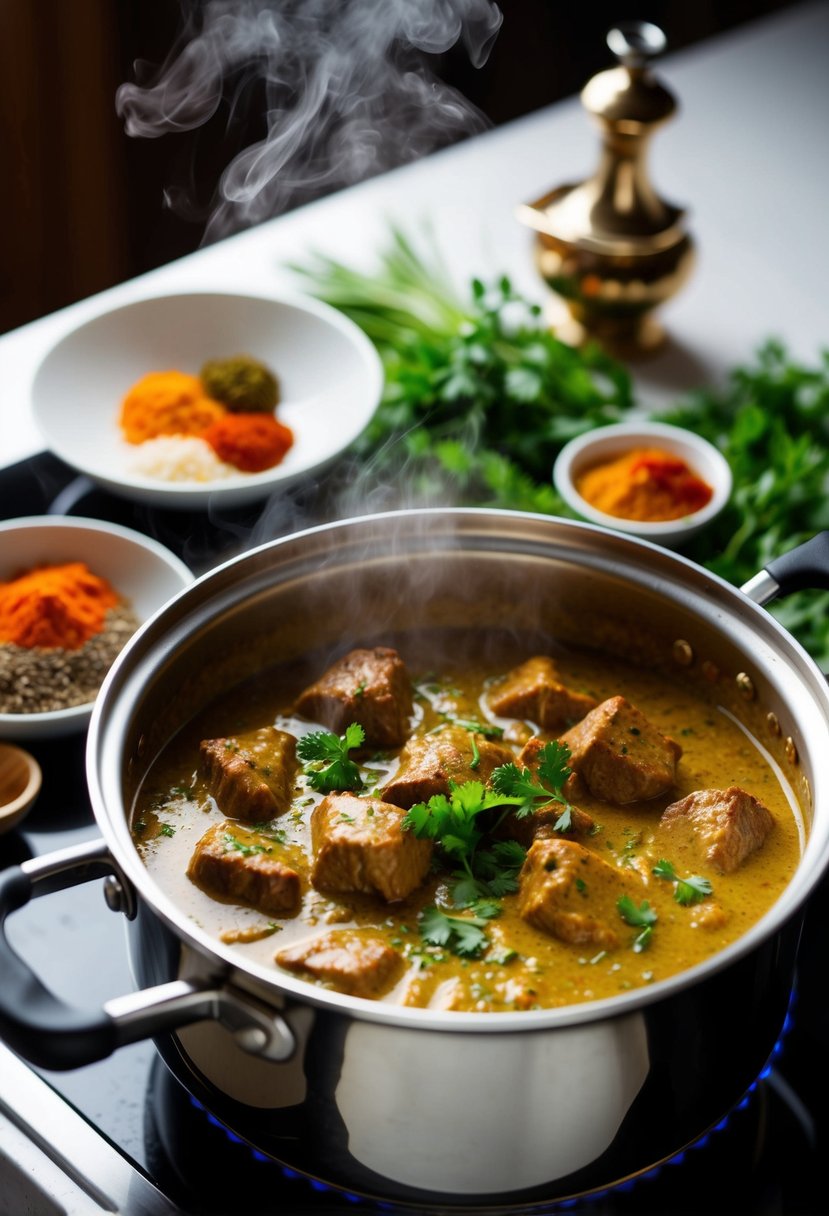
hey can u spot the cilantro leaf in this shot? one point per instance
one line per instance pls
(487, 729)
(564, 821)
(454, 825)
(463, 935)
(643, 918)
(534, 791)
(553, 768)
(326, 761)
(691, 890)
(451, 822)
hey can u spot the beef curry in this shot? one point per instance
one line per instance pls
(469, 823)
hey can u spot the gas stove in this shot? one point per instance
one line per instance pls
(124, 1136)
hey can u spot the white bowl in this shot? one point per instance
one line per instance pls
(329, 373)
(609, 442)
(142, 571)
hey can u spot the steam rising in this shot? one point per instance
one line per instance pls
(348, 93)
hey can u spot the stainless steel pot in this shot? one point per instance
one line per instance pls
(415, 1105)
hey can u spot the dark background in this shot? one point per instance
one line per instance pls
(83, 205)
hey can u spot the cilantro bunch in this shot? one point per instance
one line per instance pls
(534, 791)
(486, 868)
(480, 396)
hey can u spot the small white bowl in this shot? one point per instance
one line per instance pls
(139, 569)
(330, 377)
(609, 442)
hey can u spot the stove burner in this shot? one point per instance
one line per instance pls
(745, 1162)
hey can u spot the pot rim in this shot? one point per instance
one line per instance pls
(103, 777)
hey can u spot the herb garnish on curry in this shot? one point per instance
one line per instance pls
(515, 830)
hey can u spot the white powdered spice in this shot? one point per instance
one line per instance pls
(179, 458)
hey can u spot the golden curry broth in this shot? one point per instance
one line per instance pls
(523, 968)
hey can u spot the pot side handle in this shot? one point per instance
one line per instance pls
(801, 569)
(52, 1034)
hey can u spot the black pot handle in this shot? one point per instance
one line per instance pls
(32, 1019)
(801, 569)
(52, 1034)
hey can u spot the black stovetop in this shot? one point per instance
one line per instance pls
(766, 1159)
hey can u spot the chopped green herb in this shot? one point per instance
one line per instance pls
(234, 845)
(487, 729)
(166, 829)
(463, 935)
(531, 791)
(691, 890)
(325, 756)
(643, 918)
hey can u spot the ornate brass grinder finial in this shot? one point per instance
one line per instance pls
(610, 246)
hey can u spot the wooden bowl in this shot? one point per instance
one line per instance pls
(20, 781)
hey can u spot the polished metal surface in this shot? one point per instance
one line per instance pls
(762, 588)
(256, 1027)
(363, 1069)
(52, 1163)
(610, 246)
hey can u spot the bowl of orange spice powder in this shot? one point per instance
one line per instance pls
(659, 482)
(132, 397)
(72, 593)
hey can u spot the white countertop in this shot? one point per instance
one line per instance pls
(746, 156)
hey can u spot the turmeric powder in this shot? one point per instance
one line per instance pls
(54, 607)
(167, 403)
(645, 484)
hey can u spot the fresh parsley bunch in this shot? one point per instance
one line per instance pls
(479, 394)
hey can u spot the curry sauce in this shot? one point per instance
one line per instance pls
(520, 966)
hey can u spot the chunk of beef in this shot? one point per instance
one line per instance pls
(728, 825)
(360, 845)
(251, 776)
(429, 762)
(570, 893)
(543, 820)
(535, 692)
(371, 687)
(619, 755)
(357, 962)
(232, 863)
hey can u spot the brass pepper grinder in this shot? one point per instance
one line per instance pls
(610, 246)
